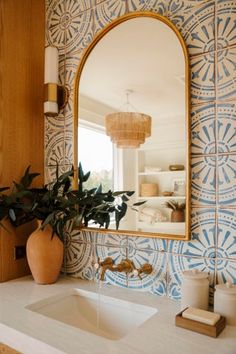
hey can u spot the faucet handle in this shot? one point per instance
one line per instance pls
(107, 261)
(146, 268)
(96, 266)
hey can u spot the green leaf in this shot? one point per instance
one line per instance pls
(139, 203)
(86, 176)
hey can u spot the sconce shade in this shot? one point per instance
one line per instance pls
(51, 81)
(128, 129)
(51, 65)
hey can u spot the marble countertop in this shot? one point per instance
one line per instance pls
(32, 333)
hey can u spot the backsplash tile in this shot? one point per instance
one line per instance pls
(142, 243)
(226, 234)
(226, 26)
(71, 26)
(226, 270)
(203, 236)
(196, 24)
(227, 180)
(157, 6)
(226, 73)
(203, 78)
(54, 150)
(226, 123)
(203, 180)
(156, 283)
(203, 140)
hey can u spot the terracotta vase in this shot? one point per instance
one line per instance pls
(44, 255)
(177, 216)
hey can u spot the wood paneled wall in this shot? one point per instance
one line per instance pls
(22, 24)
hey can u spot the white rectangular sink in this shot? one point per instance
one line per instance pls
(98, 314)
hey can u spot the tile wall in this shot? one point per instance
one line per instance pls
(209, 29)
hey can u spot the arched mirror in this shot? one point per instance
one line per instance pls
(141, 58)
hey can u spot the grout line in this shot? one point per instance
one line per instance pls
(214, 154)
(167, 253)
(215, 101)
(211, 52)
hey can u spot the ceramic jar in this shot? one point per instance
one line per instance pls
(225, 302)
(177, 216)
(44, 255)
(195, 289)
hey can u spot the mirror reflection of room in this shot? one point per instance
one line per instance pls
(141, 58)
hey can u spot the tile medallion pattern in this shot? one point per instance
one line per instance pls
(203, 180)
(209, 30)
(226, 128)
(226, 234)
(227, 180)
(203, 135)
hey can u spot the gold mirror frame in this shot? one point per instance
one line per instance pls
(86, 53)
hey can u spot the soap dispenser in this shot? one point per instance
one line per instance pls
(195, 289)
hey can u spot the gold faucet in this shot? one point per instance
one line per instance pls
(125, 265)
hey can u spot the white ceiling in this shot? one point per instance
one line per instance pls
(141, 54)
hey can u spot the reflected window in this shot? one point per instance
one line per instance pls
(95, 151)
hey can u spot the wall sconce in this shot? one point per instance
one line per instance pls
(55, 95)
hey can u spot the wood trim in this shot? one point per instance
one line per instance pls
(5, 349)
(21, 110)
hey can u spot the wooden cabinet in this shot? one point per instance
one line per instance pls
(21, 110)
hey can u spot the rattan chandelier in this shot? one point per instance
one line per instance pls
(128, 130)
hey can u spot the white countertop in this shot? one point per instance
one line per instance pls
(32, 333)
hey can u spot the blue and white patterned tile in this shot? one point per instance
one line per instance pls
(54, 124)
(203, 189)
(154, 283)
(71, 68)
(110, 240)
(59, 149)
(203, 129)
(69, 24)
(227, 180)
(106, 12)
(226, 24)
(226, 270)
(226, 234)
(226, 73)
(144, 243)
(196, 24)
(69, 149)
(54, 150)
(203, 78)
(79, 259)
(157, 6)
(226, 124)
(203, 236)
(69, 106)
(178, 264)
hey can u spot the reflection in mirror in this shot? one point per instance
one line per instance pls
(144, 55)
